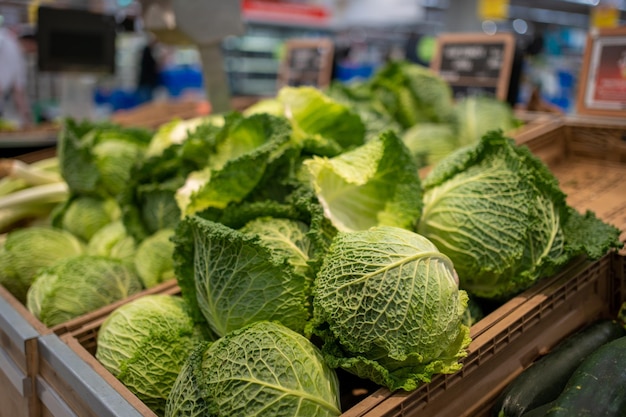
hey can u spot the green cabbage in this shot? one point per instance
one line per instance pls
(113, 241)
(84, 215)
(78, 285)
(264, 369)
(145, 343)
(388, 308)
(153, 260)
(27, 250)
(412, 94)
(430, 142)
(96, 158)
(498, 212)
(322, 125)
(477, 115)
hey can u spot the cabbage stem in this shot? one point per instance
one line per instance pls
(47, 193)
(31, 174)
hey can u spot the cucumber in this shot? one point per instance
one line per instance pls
(539, 411)
(598, 386)
(544, 380)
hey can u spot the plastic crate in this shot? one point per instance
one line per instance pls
(503, 343)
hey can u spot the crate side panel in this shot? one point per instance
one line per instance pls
(83, 390)
(12, 403)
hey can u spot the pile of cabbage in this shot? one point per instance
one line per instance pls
(306, 244)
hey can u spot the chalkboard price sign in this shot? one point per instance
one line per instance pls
(475, 63)
(306, 62)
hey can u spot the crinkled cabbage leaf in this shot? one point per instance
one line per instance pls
(262, 369)
(235, 278)
(243, 153)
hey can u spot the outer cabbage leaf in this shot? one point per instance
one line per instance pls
(238, 165)
(235, 278)
(322, 125)
(388, 308)
(263, 369)
(78, 285)
(145, 343)
(374, 184)
(96, 158)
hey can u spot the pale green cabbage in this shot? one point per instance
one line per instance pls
(388, 308)
(113, 241)
(153, 260)
(78, 285)
(498, 212)
(27, 250)
(84, 215)
(264, 369)
(145, 343)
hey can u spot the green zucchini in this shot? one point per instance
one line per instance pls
(544, 380)
(539, 411)
(598, 386)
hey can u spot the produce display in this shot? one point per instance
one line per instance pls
(304, 242)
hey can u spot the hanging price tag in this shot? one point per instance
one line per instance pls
(605, 16)
(493, 9)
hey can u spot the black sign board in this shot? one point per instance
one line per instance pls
(475, 63)
(307, 62)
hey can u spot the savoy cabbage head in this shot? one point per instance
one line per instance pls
(497, 211)
(264, 369)
(97, 158)
(145, 343)
(78, 285)
(27, 250)
(388, 308)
